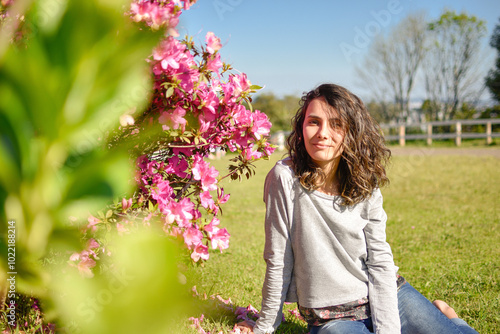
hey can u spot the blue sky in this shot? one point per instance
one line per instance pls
(290, 46)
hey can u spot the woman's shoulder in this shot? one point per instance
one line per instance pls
(282, 168)
(281, 173)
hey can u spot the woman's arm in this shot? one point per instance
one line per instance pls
(277, 252)
(382, 289)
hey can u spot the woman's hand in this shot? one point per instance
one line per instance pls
(244, 327)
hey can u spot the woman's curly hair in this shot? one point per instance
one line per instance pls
(364, 157)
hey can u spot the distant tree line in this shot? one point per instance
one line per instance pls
(443, 56)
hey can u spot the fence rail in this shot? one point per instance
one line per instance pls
(427, 128)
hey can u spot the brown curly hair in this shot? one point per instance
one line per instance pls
(362, 164)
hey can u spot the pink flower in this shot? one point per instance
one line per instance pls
(212, 228)
(214, 64)
(210, 103)
(155, 14)
(173, 119)
(197, 324)
(240, 83)
(204, 173)
(249, 155)
(261, 125)
(207, 201)
(177, 165)
(126, 204)
(296, 314)
(220, 239)
(269, 149)
(192, 237)
(213, 42)
(182, 212)
(74, 257)
(170, 52)
(93, 221)
(243, 116)
(162, 193)
(221, 198)
(86, 263)
(225, 301)
(84, 267)
(92, 244)
(200, 252)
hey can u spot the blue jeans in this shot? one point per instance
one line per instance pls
(417, 314)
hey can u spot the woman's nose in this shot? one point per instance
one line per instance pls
(323, 132)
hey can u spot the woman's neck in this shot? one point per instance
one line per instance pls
(331, 186)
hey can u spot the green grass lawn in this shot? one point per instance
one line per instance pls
(444, 214)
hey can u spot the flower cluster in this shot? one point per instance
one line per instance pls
(198, 106)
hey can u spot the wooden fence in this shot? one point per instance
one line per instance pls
(424, 131)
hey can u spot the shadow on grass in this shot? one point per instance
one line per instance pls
(216, 315)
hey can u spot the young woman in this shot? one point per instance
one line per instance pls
(326, 245)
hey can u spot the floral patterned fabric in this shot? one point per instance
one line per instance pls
(355, 310)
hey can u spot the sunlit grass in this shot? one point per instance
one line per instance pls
(444, 213)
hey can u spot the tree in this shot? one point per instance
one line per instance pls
(279, 110)
(493, 78)
(382, 111)
(451, 62)
(391, 66)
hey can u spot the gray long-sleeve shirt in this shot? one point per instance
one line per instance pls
(321, 253)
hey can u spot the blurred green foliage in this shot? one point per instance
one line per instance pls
(82, 66)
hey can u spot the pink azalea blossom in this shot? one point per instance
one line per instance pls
(126, 204)
(221, 198)
(85, 264)
(268, 149)
(192, 237)
(155, 14)
(173, 119)
(197, 324)
(188, 76)
(84, 267)
(243, 116)
(261, 125)
(240, 83)
(225, 301)
(249, 154)
(213, 42)
(200, 252)
(178, 166)
(212, 228)
(162, 193)
(204, 173)
(207, 200)
(93, 221)
(182, 212)
(220, 239)
(74, 257)
(92, 244)
(214, 64)
(169, 53)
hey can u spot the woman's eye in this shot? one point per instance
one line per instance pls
(336, 124)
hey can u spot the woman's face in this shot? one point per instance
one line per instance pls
(323, 134)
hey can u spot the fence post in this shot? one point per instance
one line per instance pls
(488, 133)
(402, 135)
(429, 134)
(458, 139)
